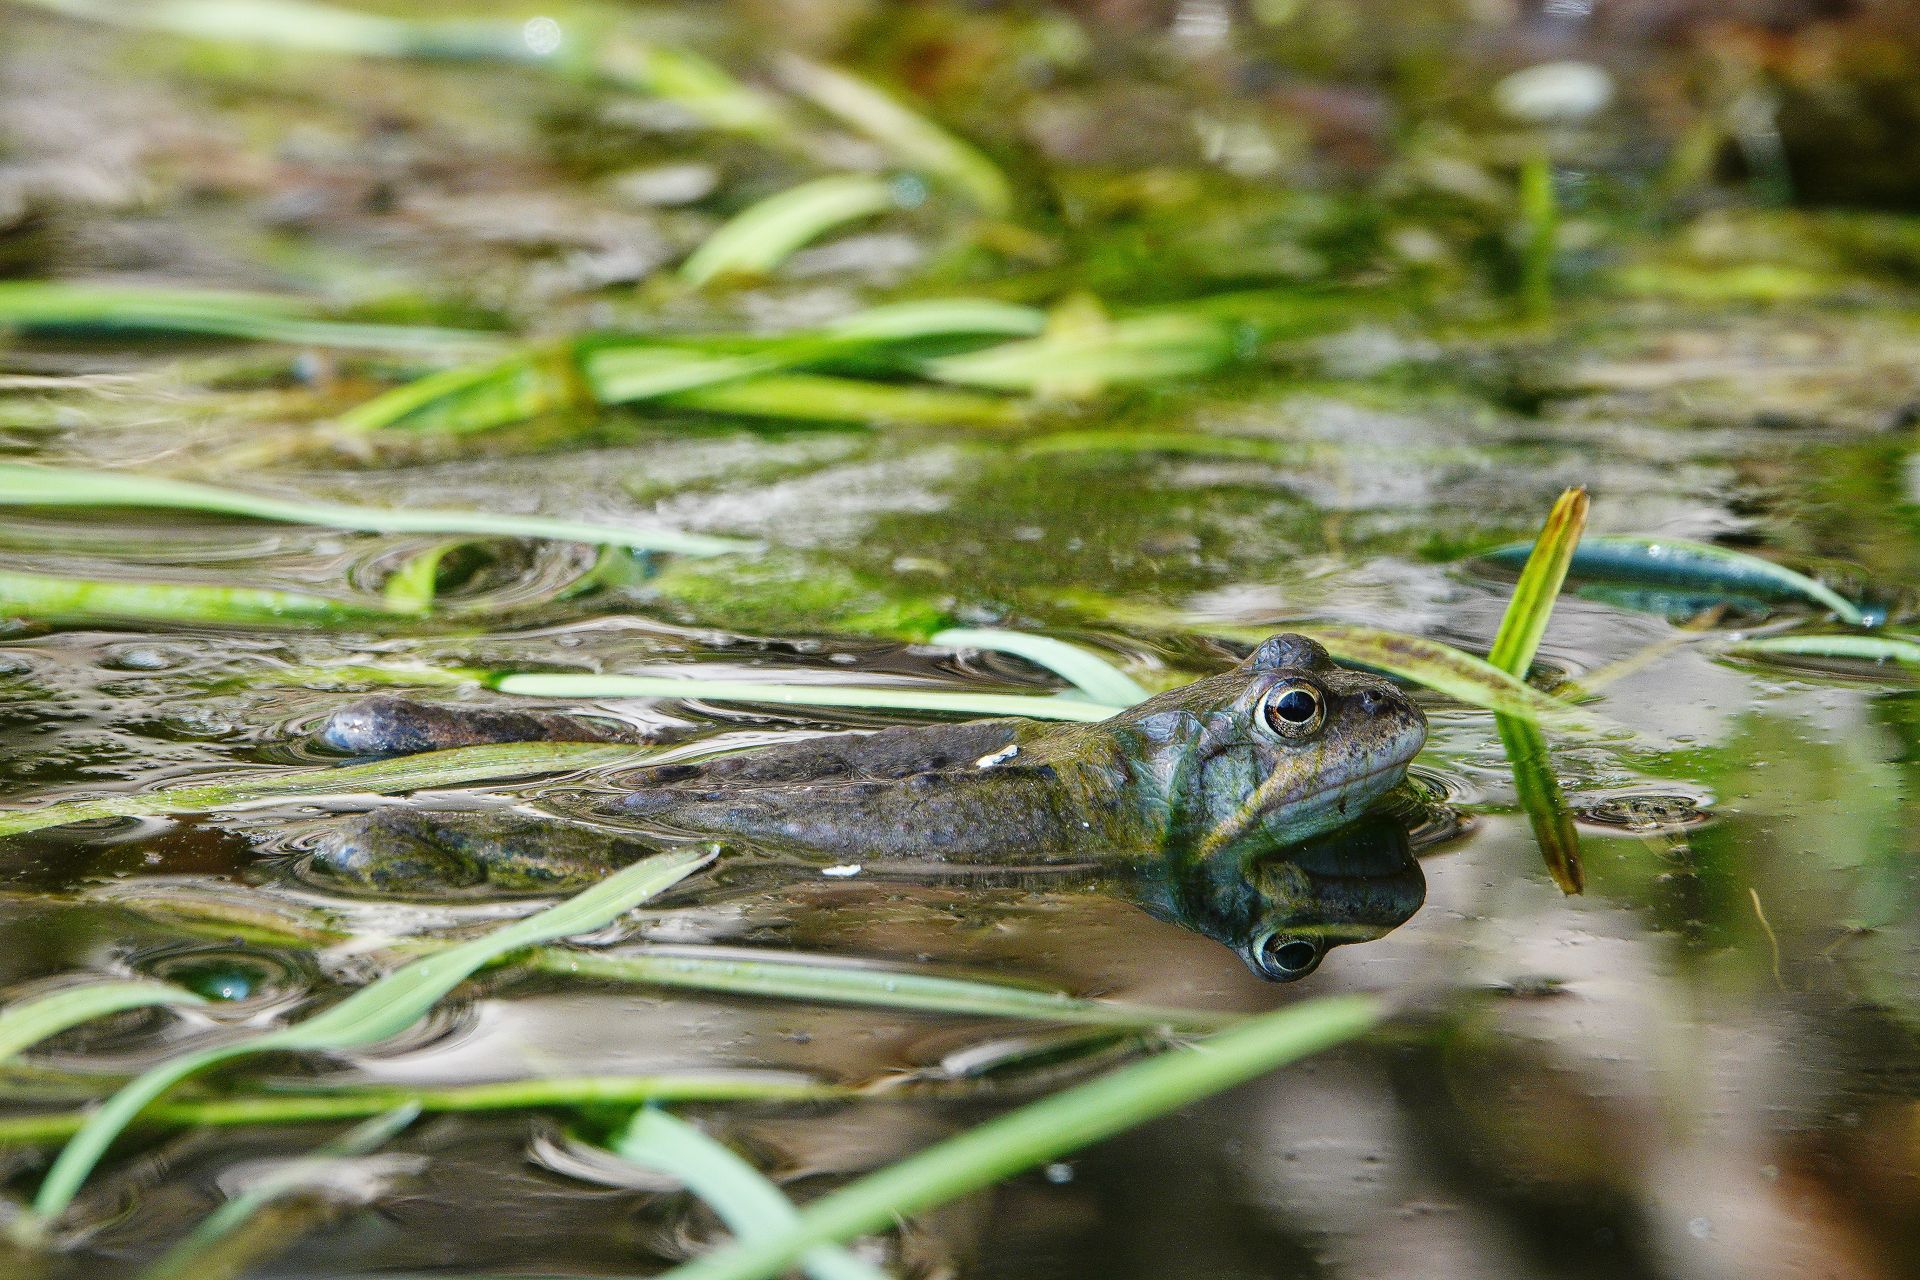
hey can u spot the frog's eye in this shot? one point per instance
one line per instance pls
(1293, 709)
(1280, 957)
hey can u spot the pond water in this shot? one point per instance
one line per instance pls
(1703, 1065)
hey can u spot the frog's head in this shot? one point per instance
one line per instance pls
(1283, 747)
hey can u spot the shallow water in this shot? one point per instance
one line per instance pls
(1704, 1065)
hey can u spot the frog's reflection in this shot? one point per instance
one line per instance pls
(1285, 911)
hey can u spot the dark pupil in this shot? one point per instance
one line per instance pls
(1296, 706)
(1292, 957)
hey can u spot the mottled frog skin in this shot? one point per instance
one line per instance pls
(1282, 747)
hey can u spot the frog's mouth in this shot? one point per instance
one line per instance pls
(1355, 782)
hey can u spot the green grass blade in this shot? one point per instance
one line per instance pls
(376, 1012)
(360, 1100)
(472, 398)
(784, 977)
(1150, 348)
(54, 307)
(914, 140)
(1676, 562)
(1046, 1130)
(579, 685)
(761, 237)
(1533, 596)
(29, 484)
(1088, 672)
(452, 767)
(304, 25)
(41, 595)
(413, 586)
(750, 1205)
(192, 1259)
(27, 1024)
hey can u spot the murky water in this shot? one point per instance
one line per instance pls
(1703, 1066)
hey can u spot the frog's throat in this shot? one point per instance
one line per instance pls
(1261, 799)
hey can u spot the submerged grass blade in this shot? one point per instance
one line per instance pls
(452, 767)
(26, 1024)
(1088, 672)
(784, 977)
(359, 1100)
(198, 1256)
(39, 306)
(41, 595)
(28, 484)
(742, 1197)
(914, 140)
(1190, 444)
(761, 237)
(575, 685)
(1674, 562)
(1534, 594)
(1046, 1130)
(376, 1012)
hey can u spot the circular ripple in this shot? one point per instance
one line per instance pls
(494, 573)
(1646, 811)
(230, 976)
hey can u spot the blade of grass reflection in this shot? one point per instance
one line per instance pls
(376, 1012)
(41, 595)
(1093, 675)
(451, 767)
(358, 1100)
(1514, 646)
(45, 306)
(750, 1205)
(27, 1023)
(222, 1247)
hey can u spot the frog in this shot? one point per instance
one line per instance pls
(1281, 747)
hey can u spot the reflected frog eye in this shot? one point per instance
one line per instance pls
(1293, 709)
(1278, 957)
